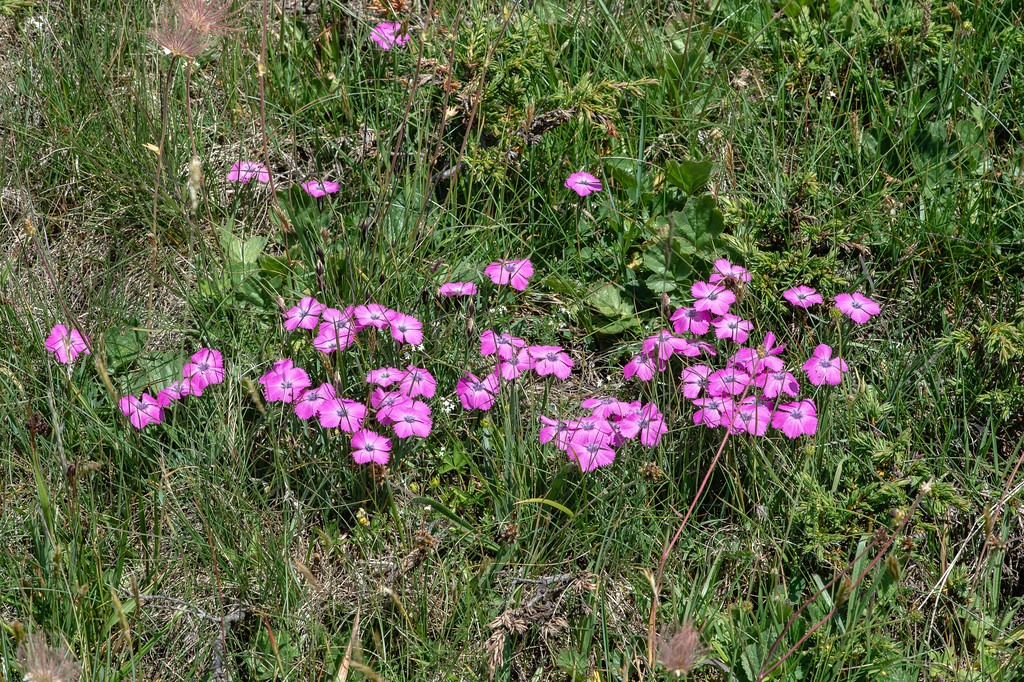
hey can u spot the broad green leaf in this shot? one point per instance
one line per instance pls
(689, 175)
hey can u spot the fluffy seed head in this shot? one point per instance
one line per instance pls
(41, 663)
(680, 653)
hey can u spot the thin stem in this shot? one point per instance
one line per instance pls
(159, 167)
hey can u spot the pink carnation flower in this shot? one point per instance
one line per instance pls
(652, 425)
(317, 188)
(385, 402)
(802, 296)
(516, 273)
(712, 410)
(244, 171)
(513, 369)
(665, 343)
(731, 380)
(725, 270)
(308, 403)
(387, 35)
(859, 307)
(305, 315)
(385, 376)
(822, 368)
(418, 382)
(141, 411)
(176, 390)
(477, 394)
(207, 367)
(406, 329)
(373, 315)
(643, 367)
(713, 298)
(345, 415)
(505, 345)
(732, 327)
(551, 360)
(590, 455)
(775, 383)
(794, 419)
(458, 289)
(411, 418)
(691, 320)
(66, 345)
(284, 384)
(695, 380)
(368, 446)
(583, 183)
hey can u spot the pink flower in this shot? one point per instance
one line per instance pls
(643, 367)
(316, 188)
(551, 360)
(822, 368)
(337, 331)
(176, 390)
(141, 411)
(338, 413)
(729, 380)
(387, 35)
(411, 418)
(244, 171)
(406, 329)
(589, 429)
(625, 428)
(691, 320)
(207, 367)
(751, 416)
(732, 327)
(859, 307)
(517, 273)
(713, 298)
(385, 376)
(370, 447)
(652, 425)
(604, 406)
(712, 410)
(305, 315)
(794, 419)
(477, 394)
(505, 345)
(458, 289)
(512, 369)
(373, 315)
(308, 403)
(666, 343)
(725, 270)
(802, 296)
(552, 429)
(775, 383)
(284, 384)
(695, 380)
(386, 401)
(592, 454)
(66, 345)
(418, 382)
(583, 183)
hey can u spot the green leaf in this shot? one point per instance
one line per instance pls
(550, 503)
(689, 175)
(606, 300)
(695, 228)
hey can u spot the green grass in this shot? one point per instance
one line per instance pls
(852, 146)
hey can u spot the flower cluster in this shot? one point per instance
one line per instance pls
(397, 407)
(754, 389)
(590, 440)
(206, 368)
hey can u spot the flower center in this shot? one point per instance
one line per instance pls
(510, 267)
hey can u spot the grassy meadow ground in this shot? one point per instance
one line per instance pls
(850, 145)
